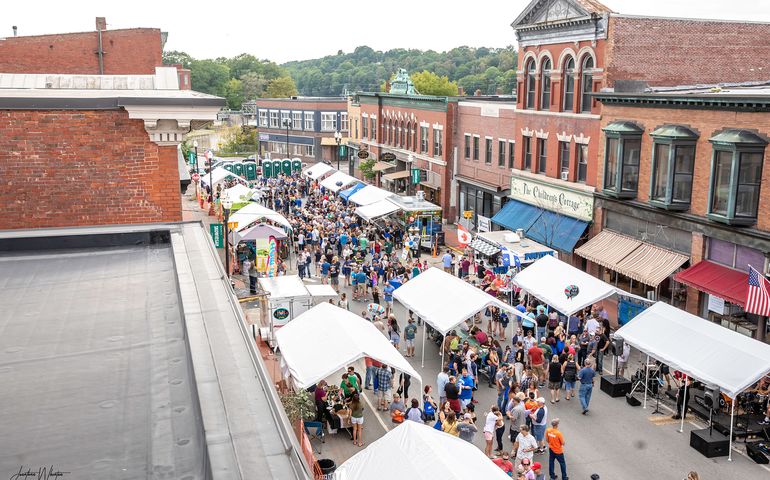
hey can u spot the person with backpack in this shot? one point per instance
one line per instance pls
(569, 375)
(415, 413)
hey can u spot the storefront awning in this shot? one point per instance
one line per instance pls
(380, 166)
(484, 247)
(608, 248)
(543, 226)
(641, 261)
(515, 215)
(396, 175)
(723, 282)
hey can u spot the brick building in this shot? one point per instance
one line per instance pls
(410, 131)
(101, 52)
(571, 49)
(312, 123)
(485, 156)
(94, 149)
(679, 184)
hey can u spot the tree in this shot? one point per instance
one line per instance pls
(282, 87)
(254, 85)
(208, 76)
(174, 57)
(234, 93)
(428, 83)
(366, 167)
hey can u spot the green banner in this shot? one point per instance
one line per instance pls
(343, 151)
(415, 176)
(191, 157)
(217, 231)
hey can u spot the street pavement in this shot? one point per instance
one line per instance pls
(615, 441)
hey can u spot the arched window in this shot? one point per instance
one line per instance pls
(409, 136)
(545, 84)
(530, 85)
(569, 85)
(414, 136)
(586, 81)
(390, 131)
(401, 135)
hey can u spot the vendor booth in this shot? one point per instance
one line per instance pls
(420, 218)
(376, 210)
(260, 231)
(326, 339)
(445, 301)
(346, 194)
(701, 350)
(419, 452)
(525, 249)
(322, 293)
(219, 174)
(370, 194)
(337, 181)
(287, 298)
(254, 212)
(317, 171)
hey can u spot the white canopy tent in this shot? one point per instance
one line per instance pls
(326, 339)
(419, 452)
(548, 277)
(239, 193)
(253, 212)
(376, 210)
(370, 194)
(317, 170)
(698, 348)
(321, 292)
(337, 181)
(219, 174)
(445, 301)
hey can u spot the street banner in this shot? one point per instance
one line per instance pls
(463, 236)
(272, 263)
(217, 231)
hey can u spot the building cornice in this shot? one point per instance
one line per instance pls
(716, 102)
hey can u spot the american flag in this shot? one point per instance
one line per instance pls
(758, 300)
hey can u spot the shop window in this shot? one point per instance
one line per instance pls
(545, 85)
(587, 84)
(621, 159)
(530, 85)
(569, 85)
(673, 164)
(736, 175)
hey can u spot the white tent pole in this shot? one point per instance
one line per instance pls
(732, 415)
(684, 405)
(646, 379)
(423, 344)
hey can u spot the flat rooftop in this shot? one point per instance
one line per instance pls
(124, 354)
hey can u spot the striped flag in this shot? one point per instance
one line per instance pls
(758, 300)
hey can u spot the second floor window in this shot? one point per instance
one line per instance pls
(501, 153)
(545, 85)
(582, 163)
(530, 84)
(542, 151)
(296, 120)
(309, 120)
(365, 128)
(673, 164)
(328, 121)
(343, 122)
(424, 139)
(476, 147)
(467, 147)
(373, 128)
(621, 159)
(527, 153)
(438, 142)
(263, 118)
(511, 155)
(274, 121)
(564, 159)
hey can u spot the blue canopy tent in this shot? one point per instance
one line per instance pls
(346, 194)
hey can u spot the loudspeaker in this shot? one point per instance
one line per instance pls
(617, 344)
(757, 452)
(712, 397)
(711, 445)
(615, 386)
(632, 400)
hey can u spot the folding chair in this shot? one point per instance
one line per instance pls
(315, 430)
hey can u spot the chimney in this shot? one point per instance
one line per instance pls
(498, 91)
(101, 23)
(477, 93)
(460, 92)
(184, 76)
(387, 86)
(15, 30)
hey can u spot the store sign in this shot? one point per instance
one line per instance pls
(484, 224)
(468, 214)
(363, 154)
(716, 304)
(388, 157)
(281, 313)
(217, 231)
(264, 137)
(554, 198)
(415, 176)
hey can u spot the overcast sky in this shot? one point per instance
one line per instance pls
(300, 29)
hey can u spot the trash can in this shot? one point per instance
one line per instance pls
(327, 467)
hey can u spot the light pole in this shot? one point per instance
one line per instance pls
(338, 139)
(287, 124)
(211, 188)
(226, 205)
(197, 170)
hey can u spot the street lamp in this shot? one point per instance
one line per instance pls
(287, 125)
(195, 146)
(338, 139)
(226, 205)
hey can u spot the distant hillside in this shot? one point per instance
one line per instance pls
(365, 69)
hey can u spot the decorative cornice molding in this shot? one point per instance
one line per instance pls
(167, 125)
(542, 134)
(527, 132)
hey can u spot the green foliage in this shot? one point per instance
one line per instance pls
(366, 167)
(209, 76)
(366, 69)
(173, 57)
(428, 83)
(282, 87)
(238, 139)
(299, 405)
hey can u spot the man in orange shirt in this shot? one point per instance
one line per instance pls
(556, 450)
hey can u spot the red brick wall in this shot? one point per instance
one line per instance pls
(685, 51)
(132, 51)
(72, 168)
(706, 123)
(470, 121)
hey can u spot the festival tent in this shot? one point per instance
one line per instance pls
(239, 193)
(318, 170)
(445, 301)
(321, 293)
(370, 194)
(420, 452)
(550, 279)
(219, 174)
(258, 231)
(350, 191)
(376, 210)
(700, 349)
(336, 181)
(253, 212)
(327, 338)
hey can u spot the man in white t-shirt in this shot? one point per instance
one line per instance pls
(592, 325)
(524, 446)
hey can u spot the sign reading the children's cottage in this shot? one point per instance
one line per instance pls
(553, 197)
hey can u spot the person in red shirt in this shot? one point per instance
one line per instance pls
(536, 361)
(504, 464)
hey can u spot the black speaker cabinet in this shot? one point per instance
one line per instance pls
(632, 400)
(714, 445)
(615, 386)
(758, 451)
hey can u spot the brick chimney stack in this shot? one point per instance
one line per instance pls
(460, 92)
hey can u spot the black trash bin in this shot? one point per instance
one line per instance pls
(327, 467)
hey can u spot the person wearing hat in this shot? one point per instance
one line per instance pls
(504, 464)
(537, 469)
(556, 450)
(539, 422)
(467, 428)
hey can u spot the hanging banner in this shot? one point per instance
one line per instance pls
(217, 231)
(272, 263)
